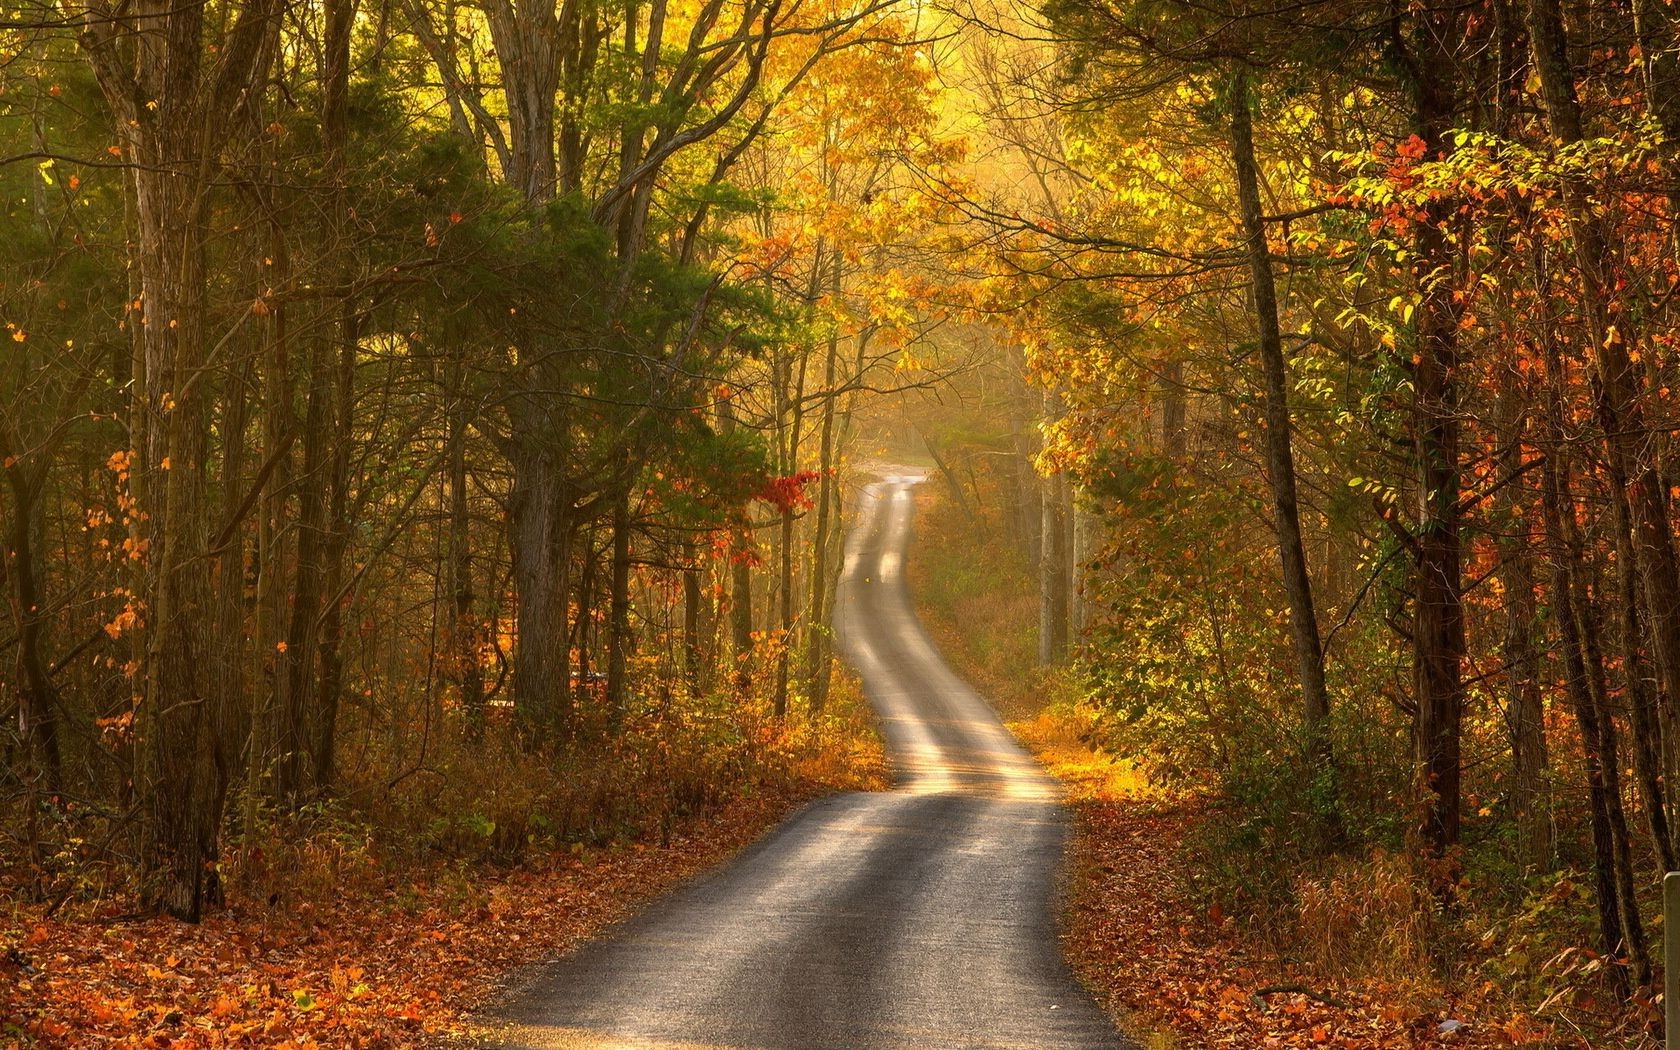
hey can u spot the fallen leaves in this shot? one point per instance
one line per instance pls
(1167, 966)
(397, 968)
(1152, 956)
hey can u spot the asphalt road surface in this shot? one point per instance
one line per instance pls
(923, 917)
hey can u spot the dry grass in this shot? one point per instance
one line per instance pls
(1368, 917)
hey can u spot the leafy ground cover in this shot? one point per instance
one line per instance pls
(1187, 977)
(351, 950)
(388, 969)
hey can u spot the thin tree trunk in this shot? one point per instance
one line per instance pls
(1280, 459)
(618, 616)
(694, 669)
(817, 633)
(1084, 539)
(1524, 694)
(38, 710)
(1605, 887)
(785, 598)
(741, 613)
(1631, 464)
(331, 630)
(465, 636)
(1052, 572)
(336, 358)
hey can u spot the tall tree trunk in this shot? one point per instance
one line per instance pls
(286, 724)
(38, 710)
(1524, 692)
(1028, 511)
(741, 612)
(1084, 538)
(790, 413)
(1280, 458)
(465, 635)
(817, 632)
(331, 631)
(1052, 573)
(185, 752)
(1438, 621)
(346, 329)
(1631, 464)
(740, 581)
(300, 689)
(785, 600)
(172, 111)
(694, 665)
(1605, 885)
(541, 532)
(583, 637)
(1613, 861)
(618, 614)
(1641, 700)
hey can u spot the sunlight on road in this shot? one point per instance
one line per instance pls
(918, 917)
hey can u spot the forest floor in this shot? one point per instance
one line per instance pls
(367, 946)
(1180, 977)
(1174, 973)
(397, 968)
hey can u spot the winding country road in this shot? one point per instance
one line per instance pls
(923, 917)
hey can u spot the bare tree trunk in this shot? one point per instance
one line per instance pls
(785, 599)
(465, 636)
(583, 637)
(38, 710)
(817, 631)
(1028, 513)
(1438, 621)
(331, 630)
(694, 666)
(618, 616)
(285, 717)
(1084, 529)
(541, 532)
(1524, 694)
(740, 581)
(1630, 459)
(185, 752)
(1052, 573)
(1280, 459)
(741, 614)
(1641, 701)
(1606, 891)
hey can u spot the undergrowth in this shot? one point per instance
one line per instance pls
(495, 802)
(1253, 860)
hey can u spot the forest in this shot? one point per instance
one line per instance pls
(430, 428)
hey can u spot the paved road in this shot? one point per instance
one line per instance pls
(923, 917)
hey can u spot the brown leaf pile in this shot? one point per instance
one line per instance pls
(1155, 959)
(399, 968)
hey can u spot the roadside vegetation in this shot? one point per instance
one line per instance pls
(383, 917)
(1196, 930)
